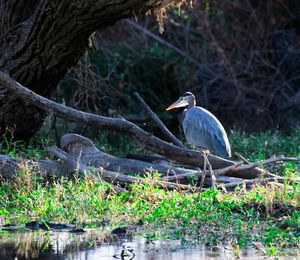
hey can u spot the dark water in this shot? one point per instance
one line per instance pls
(94, 244)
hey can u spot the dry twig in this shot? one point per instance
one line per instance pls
(247, 182)
(268, 161)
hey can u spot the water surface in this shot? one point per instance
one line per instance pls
(94, 244)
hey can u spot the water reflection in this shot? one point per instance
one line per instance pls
(94, 245)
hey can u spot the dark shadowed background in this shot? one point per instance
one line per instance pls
(240, 58)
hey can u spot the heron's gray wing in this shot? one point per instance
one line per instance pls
(203, 129)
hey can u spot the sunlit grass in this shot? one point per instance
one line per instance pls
(269, 214)
(264, 145)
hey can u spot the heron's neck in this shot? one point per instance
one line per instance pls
(192, 103)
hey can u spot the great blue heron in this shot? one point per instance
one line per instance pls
(202, 128)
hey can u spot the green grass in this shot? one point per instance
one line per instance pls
(264, 145)
(269, 215)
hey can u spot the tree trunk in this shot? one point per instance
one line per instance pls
(41, 40)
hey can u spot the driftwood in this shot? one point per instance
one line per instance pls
(125, 127)
(9, 166)
(79, 155)
(83, 148)
(75, 164)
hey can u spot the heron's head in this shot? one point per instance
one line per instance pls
(186, 99)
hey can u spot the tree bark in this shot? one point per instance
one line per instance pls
(41, 40)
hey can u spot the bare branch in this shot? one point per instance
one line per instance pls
(167, 44)
(159, 123)
(247, 182)
(268, 161)
(227, 169)
(242, 158)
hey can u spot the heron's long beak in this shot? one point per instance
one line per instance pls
(178, 103)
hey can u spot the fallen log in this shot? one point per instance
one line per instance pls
(73, 164)
(83, 148)
(9, 166)
(80, 155)
(123, 126)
